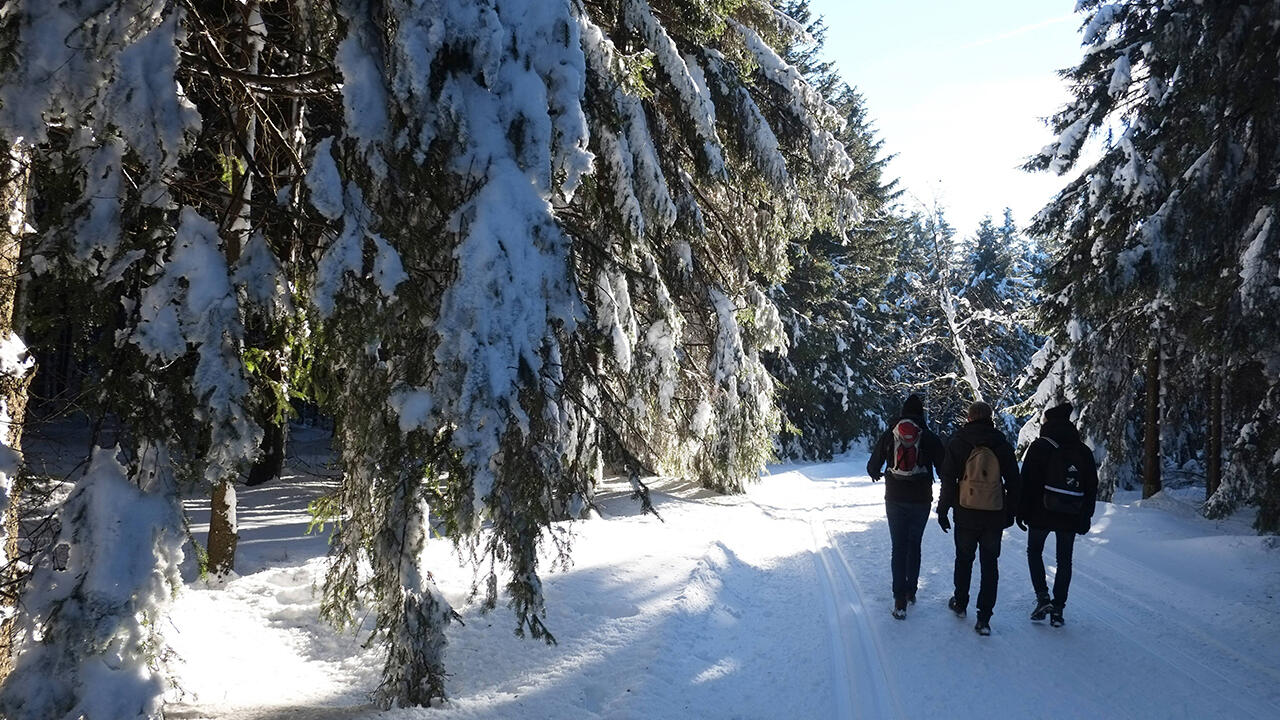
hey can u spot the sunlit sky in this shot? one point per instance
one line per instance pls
(958, 91)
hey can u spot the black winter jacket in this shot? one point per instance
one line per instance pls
(973, 434)
(918, 489)
(1031, 509)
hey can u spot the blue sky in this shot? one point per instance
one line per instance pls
(957, 90)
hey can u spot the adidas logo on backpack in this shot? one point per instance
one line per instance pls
(1063, 492)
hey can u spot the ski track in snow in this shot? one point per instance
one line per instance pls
(769, 605)
(859, 662)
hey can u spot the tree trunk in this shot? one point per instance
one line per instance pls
(269, 464)
(947, 301)
(1151, 443)
(1213, 447)
(14, 381)
(222, 529)
(222, 505)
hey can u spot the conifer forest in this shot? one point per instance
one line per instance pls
(514, 258)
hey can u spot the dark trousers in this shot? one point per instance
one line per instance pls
(985, 542)
(1065, 541)
(906, 528)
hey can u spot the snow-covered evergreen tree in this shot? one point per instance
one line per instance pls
(602, 199)
(1165, 247)
(529, 238)
(915, 344)
(996, 294)
(827, 305)
(91, 95)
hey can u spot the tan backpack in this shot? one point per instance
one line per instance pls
(980, 488)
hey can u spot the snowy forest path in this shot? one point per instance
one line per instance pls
(773, 603)
(1103, 594)
(1105, 567)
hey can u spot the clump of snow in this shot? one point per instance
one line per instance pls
(614, 316)
(259, 276)
(1258, 274)
(364, 97)
(1104, 17)
(14, 359)
(1120, 76)
(324, 182)
(345, 255)
(1064, 149)
(701, 420)
(97, 233)
(147, 107)
(102, 657)
(413, 406)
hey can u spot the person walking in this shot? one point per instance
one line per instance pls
(1060, 492)
(980, 485)
(907, 452)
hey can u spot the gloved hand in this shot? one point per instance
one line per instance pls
(1083, 529)
(1022, 524)
(875, 478)
(943, 522)
(1008, 520)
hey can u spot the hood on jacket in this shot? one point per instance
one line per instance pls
(1059, 412)
(1057, 424)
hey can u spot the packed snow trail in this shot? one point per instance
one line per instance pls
(770, 605)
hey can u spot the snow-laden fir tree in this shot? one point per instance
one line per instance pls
(528, 238)
(996, 293)
(601, 195)
(915, 345)
(828, 374)
(125, 216)
(1164, 276)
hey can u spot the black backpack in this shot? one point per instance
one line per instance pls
(1063, 487)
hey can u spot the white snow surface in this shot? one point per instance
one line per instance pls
(769, 605)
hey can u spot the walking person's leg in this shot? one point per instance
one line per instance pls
(966, 546)
(988, 557)
(1035, 565)
(1035, 560)
(1065, 540)
(898, 537)
(918, 518)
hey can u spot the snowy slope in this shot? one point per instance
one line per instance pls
(771, 605)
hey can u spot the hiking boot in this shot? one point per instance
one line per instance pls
(900, 608)
(983, 627)
(1055, 616)
(1043, 606)
(954, 606)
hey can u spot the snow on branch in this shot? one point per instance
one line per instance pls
(686, 78)
(194, 303)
